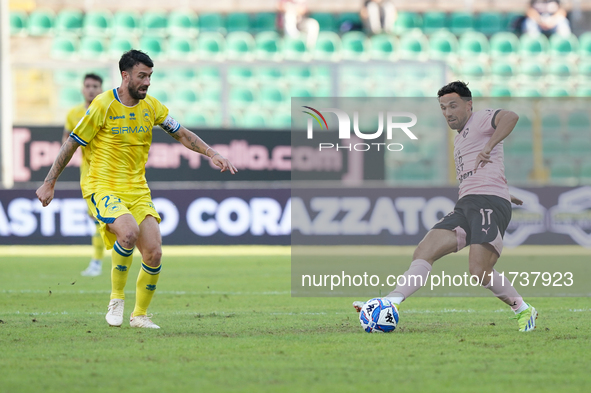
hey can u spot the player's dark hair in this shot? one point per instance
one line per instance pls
(94, 77)
(133, 57)
(458, 87)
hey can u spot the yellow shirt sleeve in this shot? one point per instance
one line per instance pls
(90, 124)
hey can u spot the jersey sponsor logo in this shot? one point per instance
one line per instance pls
(129, 130)
(116, 117)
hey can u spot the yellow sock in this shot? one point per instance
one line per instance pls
(99, 246)
(145, 288)
(121, 261)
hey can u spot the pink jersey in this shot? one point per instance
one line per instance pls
(489, 180)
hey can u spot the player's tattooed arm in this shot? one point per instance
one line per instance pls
(45, 192)
(193, 142)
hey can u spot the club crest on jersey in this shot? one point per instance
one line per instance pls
(114, 208)
(465, 133)
(146, 115)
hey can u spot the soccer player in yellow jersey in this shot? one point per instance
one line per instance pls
(93, 86)
(117, 130)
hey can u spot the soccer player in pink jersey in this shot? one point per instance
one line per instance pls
(483, 210)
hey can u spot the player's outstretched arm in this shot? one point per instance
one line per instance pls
(193, 142)
(45, 192)
(505, 122)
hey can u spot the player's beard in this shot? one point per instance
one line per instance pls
(135, 93)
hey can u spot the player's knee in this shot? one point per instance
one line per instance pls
(129, 237)
(425, 254)
(477, 271)
(153, 256)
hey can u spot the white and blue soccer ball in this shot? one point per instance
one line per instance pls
(378, 316)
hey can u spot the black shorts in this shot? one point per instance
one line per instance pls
(478, 219)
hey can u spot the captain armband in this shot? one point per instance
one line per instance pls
(170, 125)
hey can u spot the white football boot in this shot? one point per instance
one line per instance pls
(114, 316)
(94, 269)
(142, 321)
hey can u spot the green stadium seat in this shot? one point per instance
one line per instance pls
(240, 75)
(443, 45)
(532, 69)
(300, 91)
(579, 123)
(183, 23)
(153, 46)
(160, 93)
(237, 21)
(551, 124)
(500, 91)
(502, 71)
(350, 19)
(66, 77)
(529, 92)
(521, 167)
(197, 119)
(120, 45)
(210, 97)
(473, 44)
(413, 46)
(433, 21)
(328, 46)
(298, 75)
(354, 44)
(562, 171)
(552, 146)
(183, 76)
(518, 147)
(461, 22)
(563, 46)
(584, 90)
(281, 121)
(18, 22)
(210, 45)
(184, 97)
(155, 23)
(489, 23)
(383, 47)
(41, 22)
(268, 45)
(241, 96)
(533, 46)
(584, 69)
(510, 22)
(560, 69)
(271, 96)
(240, 45)
(326, 20)
(558, 91)
(585, 172)
(585, 45)
(97, 23)
(70, 96)
(209, 76)
(64, 46)
(504, 44)
(92, 47)
(69, 20)
(253, 120)
(294, 48)
(268, 74)
(126, 22)
(212, 21)
(473, 70)
(180, 48)
(264, 21)
(579, 147)
(407, 21)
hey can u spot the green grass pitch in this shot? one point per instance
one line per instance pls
(229, 324)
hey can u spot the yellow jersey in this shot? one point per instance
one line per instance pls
(118, 139)
(73, 117)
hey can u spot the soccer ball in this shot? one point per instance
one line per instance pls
(378, 316)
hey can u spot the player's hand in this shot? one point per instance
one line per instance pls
(45, 194)
(482, 159)
(516, 200)
(223, 163)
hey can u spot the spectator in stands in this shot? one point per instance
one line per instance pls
(378, 16)
(546, 16)
(293, 20)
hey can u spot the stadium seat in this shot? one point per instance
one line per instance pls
(579, 123)
(209, 76)
(183, 76)
(264, 21)
(518, 146)
(180, 48)
(532, 69)
(443, 45)
(521, 167)
(120, 45)
(212, 21)
(551, 124)
(268, 74)
(328, 46)
(241, 96)
(68, 20)
(160, 93)
(66, 77)
(529, 92)
(500, 91)
(126, 22)
(407, 21)
(383, 47)
(583, 90)
(512, 23)
(560, 69)
(473, 70)
(414, 46)
(563, 171)
(533, 46)
(585, 45)
(504, 44)
(461, 22)
(70, 96)
(326, 20)
(240, 75)
(253, 120)
(41, 22)
(185, 97)
(183, 23)
(268, 45)
(18, 22)
(300, 91)
(240, 45)
(64, 47)
(155, 22)
(553, 146)
(348, 20)
(585, 172)
(210, 97)
(92, 47)
(563, 46)
(579, 147)
(354, 45)
(298, 75)
(294, 48)
(433, 21)
(197, 119)
(210, 45)
(97, 23)
(502, 71)
(489, 23)
(153, 46)
(473, 44)
(237, 21)
(558, 91)
(281, 121)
